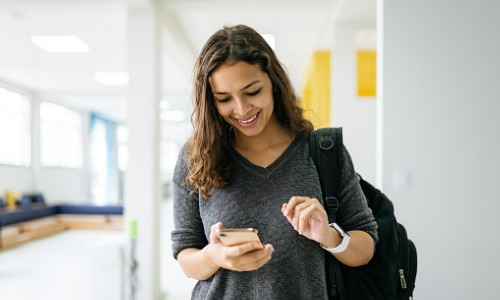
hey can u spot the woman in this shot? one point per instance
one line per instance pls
(248, 164)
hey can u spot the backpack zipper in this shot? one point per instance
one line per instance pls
(403, 258)
(402, 278)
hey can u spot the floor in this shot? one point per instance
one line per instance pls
(83, 265)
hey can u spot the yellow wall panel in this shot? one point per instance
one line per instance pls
(316, 90)
(367, 73)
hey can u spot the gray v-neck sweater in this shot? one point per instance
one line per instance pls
(253, 199)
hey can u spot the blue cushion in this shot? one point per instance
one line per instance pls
(24, 202)
(90, 209)
(35, 197)
(23, 215)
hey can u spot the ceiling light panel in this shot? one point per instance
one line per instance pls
(60, 43)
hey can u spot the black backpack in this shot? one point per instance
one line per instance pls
(392, 271)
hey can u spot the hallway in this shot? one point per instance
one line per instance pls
(83, 265)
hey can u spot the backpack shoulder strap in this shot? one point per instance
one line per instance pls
(326, 151)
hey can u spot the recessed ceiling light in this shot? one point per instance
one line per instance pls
(111, 78)
(60, 43)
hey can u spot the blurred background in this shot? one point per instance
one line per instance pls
(95, 103)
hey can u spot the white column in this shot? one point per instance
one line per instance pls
(344, 73)
(142, 199)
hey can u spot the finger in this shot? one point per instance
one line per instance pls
(294, 201)
(256, 259)
(243, 249)
(315, 200)
(264, 256)
(305, 218)
(298, 211)
(286, 212)
(214, 238)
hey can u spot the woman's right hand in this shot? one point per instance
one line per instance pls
(243, 257)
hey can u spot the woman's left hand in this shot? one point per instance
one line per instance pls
(308, 217)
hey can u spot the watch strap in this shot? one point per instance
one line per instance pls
(345, 240)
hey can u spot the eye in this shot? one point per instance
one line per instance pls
(224, 100)
(254, 93)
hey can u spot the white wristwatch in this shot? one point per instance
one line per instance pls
(345, 240)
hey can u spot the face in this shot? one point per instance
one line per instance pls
(243, 97)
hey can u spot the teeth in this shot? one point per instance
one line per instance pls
(248, 121)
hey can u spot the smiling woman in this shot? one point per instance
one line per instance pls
(247, 165)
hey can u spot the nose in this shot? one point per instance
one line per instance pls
(242, 107)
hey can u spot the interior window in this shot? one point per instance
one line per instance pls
(60, 136)
(15, 128)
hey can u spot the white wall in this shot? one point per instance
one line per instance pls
(15, 178)
(355, 114)
(441, 119)
(60, 185)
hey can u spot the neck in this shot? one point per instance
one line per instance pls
(274, 134)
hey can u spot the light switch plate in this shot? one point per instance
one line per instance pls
(401, 180)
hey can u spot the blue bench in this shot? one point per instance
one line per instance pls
(10, 217)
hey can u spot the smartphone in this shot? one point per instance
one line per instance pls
(236, 236)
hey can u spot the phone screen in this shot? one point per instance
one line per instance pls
(237, 236)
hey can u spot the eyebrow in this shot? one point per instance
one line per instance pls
(244, 88)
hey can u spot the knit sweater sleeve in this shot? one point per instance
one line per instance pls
(354, 213)
(187, 220)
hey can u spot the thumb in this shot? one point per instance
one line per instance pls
(214, 238)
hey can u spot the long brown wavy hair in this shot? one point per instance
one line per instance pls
(208, 163)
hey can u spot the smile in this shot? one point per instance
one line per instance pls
(249, 120)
